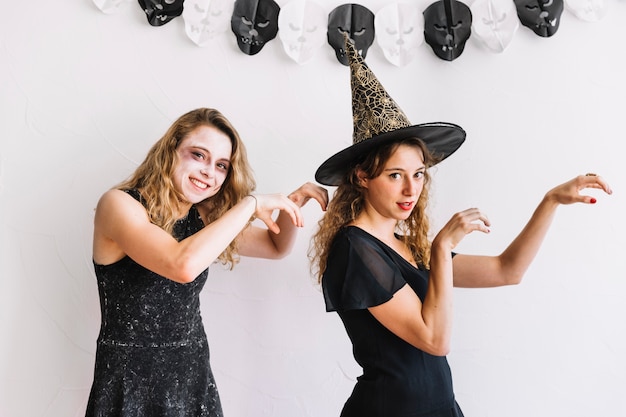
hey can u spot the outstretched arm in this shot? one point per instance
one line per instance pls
(509, 267)
(277, 242)
(122, 227)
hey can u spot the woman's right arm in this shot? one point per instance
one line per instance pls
(122, 227)
(428, 325)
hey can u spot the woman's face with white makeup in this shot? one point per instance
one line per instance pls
(203, 163)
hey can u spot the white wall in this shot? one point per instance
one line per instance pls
(84, 94)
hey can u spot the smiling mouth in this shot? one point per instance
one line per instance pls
(199, 184)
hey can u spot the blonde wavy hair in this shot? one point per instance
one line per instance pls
(349, 199)
(153, 177)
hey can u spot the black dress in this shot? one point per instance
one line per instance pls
(398, 379)
(152, 357)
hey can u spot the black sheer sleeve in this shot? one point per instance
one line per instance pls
(359, 273)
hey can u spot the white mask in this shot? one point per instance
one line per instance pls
(495, 23)
(399, 32)
(207, 19)
(111, 6)
(588, 10)
(302, 29)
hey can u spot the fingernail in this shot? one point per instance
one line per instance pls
(592, 201)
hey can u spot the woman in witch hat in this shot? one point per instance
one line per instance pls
(389, 284)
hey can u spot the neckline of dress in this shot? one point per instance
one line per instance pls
(397, 254)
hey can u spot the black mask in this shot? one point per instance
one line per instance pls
(447, 26)
(254, 22)
(159, 12)
(355, 20)
(541, 16)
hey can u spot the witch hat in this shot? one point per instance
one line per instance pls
(378, 120)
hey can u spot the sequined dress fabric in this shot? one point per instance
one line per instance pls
(152, 356)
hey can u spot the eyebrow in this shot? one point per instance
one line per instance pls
(423, 167)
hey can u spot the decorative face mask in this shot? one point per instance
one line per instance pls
(494, 23)
(588, 10)
(355, 20)
(302, 29)
(110, 6)
(399, 32)
(447, 26)
(254, 23)
(541, 16)
(159, 12)
(206, 19)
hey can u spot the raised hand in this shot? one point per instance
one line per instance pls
(569, 192)
(460, 225)
(266, 204)
(307, 191)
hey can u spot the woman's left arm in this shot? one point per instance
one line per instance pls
(508, 268)
(259, 242)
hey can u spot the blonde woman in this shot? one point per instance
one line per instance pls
(188, 205)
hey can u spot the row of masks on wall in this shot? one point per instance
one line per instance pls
(399, 28)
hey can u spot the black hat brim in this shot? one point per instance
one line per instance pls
(442, 140)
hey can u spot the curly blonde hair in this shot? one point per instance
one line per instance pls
(348, 202)
(153, 177)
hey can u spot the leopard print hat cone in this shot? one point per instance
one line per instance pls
(377, 120)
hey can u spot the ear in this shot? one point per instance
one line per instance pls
(360, 174)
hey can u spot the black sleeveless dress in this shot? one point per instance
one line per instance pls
(398, 379)
(152, 357)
